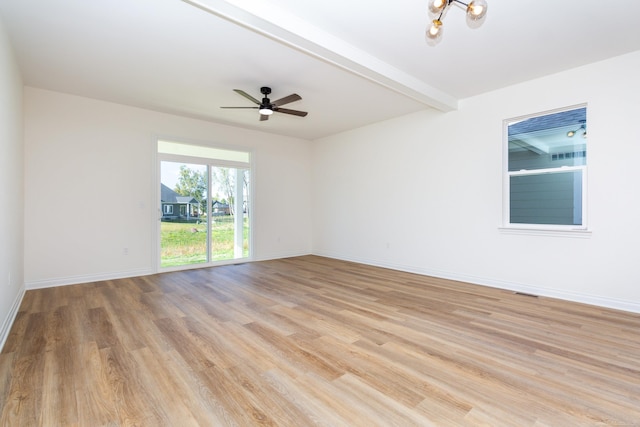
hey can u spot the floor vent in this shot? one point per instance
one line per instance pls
(526, 294)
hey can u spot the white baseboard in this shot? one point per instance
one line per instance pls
(11, 316)
(74, 280)
(596, 300)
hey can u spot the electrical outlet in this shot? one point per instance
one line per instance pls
(125, 251)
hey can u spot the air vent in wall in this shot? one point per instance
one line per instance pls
(526, 294)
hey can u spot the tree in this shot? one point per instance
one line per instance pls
(193, 183)
(225, 182)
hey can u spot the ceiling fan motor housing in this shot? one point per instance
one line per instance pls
(266, 103)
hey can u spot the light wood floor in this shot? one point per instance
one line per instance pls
(312, 341)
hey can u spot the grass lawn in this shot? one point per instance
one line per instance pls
(184, 244)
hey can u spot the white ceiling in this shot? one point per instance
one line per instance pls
(353, 62)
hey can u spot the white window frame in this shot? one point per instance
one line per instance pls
(558, 230)
(168, 209)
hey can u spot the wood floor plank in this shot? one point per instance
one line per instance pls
(314, 412)
(93, 393)
(59, 404)
(23, 402)
(312, 341)
(185, 406)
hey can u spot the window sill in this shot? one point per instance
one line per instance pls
(549, 232)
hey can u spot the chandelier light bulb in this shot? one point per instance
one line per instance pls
(436, 6)
(477, 9)
(434, 32)
(265, 111)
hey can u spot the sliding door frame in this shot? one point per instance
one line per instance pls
(209, 163)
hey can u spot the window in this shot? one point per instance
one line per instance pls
(168, 209)
(545, 176)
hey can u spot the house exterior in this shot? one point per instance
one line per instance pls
(178, 208)
(219, 208)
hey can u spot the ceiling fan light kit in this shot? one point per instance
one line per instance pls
(267, 108)
(476, 10)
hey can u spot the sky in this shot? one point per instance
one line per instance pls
(170, 172)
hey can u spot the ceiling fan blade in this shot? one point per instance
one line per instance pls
(287, 99)
(253, 108)
(263, 117)
(246, 95)
(293, 112)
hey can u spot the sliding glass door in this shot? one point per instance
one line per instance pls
(230, 213)
(204, 205)
(183, 224)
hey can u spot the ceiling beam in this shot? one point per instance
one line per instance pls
(286, 28)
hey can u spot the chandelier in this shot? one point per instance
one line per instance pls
(582, 129)
(476, 10)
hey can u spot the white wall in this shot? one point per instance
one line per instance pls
(89, 180)
(423, 192)
(11, 187)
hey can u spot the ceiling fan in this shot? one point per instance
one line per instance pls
(266, 107)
